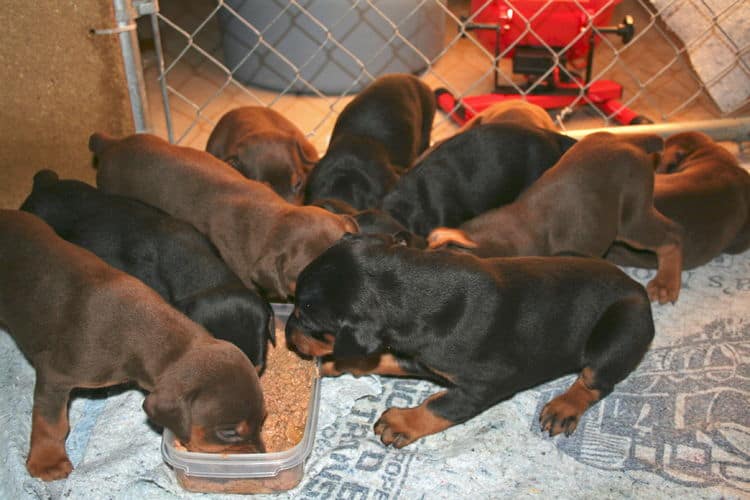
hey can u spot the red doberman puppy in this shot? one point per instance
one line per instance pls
(484, 328)
(264, 146)
(82, 323)
(699, 185)
(514, 111)
(265, 240)
(600, 191)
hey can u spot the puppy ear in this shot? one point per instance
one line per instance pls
(350, 224)
(169, 410)
(307, 152)
(271, 327)
(355, 343)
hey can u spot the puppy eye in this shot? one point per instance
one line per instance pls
(228, 435)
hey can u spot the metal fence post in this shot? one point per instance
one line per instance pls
(125, 16)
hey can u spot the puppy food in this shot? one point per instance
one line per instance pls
(288, 383)
(286, 389)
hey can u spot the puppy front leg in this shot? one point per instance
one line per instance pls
(47, 458)
(401, 426)
(662, 236)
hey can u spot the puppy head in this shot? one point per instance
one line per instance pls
(211, 399)
(237, 315)
(333, 305)
(276, 158)
(678, 147)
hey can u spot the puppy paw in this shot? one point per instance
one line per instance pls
(561, 415)
(394, 429)
(659, 290)
(49, 468)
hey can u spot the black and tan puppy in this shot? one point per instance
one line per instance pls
(599, 192)
(264, 146)
(376, 136)
(484, 328)
(513, 111)
(699, 185)
(264, 239)
(472, 172)
(167, 254)
(83, 323)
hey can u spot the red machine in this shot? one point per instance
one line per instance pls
(547, 40)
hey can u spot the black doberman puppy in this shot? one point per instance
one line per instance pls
(377, 136)
(166, 254)
(483, 168)
(485, 328)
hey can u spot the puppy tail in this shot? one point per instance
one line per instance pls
(45, 178)
(98, 142)
(444, 236)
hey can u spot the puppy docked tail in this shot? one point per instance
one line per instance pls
(45, 178)
(98, 142)
(444, 236)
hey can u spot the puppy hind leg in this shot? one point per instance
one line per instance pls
(662, 236)
(616, 346)
(47, 458)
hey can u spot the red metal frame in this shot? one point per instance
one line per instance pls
(564, 26)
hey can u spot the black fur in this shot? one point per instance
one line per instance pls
(378, 135)
(168, 255)
(483, 168)
(491, 327)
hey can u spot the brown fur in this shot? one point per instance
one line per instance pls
(599, 192)
(515, 111)
(265, 240)
(82, 323)
(699, 185)
(264, 146)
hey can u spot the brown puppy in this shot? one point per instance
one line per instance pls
(82, 323)
(264, 146)
(699, 185)
(261, 237)
(600, 191)
(515, 111)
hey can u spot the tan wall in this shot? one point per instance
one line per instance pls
(58, 84)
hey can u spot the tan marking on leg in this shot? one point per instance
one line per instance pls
(563, 412)
(47, 458)
(401, 426)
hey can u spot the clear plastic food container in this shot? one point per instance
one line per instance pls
(246, 472)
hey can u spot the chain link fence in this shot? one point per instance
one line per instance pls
(592, 62)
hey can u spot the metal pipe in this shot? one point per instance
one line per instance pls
(131, 56)
(162, 76)
(727, 129)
